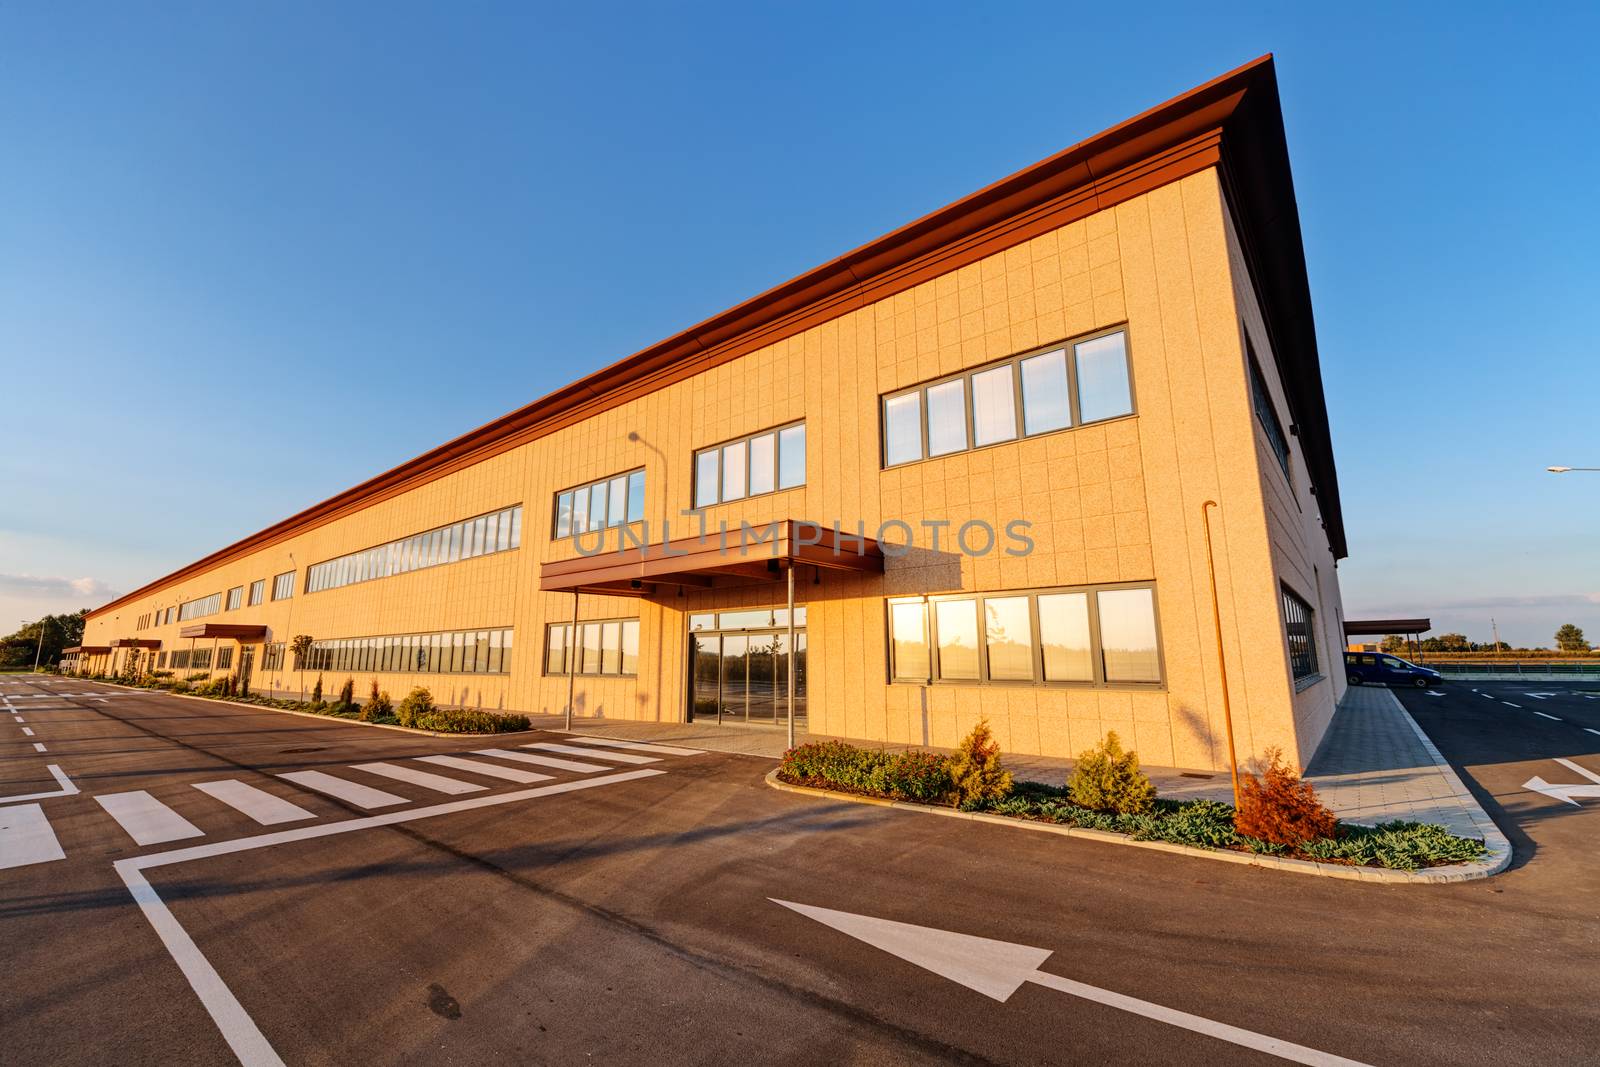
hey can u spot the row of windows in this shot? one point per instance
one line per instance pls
(608, 502)
(498, 531)
(1266, 411)
(1032, 395)
(746, 619)
(198, 659)
(453, 652)
(1086, 636)
(199, 609)
(143, 622)
(610, 646)
(1298, 621)
(761, 463)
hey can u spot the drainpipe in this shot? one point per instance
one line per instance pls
(1222, 662)
(572, 659)
(791, 653)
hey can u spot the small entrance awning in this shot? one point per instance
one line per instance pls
(87, 650)
(1384, 627)
(225, 630)
(761, 554)
(135, 642)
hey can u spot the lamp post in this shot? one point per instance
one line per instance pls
(39, 653)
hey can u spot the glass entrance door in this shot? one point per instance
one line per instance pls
(742, 677)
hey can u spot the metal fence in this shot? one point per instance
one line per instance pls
(1532, 669)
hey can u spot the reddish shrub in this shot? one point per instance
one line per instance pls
(1280, 808)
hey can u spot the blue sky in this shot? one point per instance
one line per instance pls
(253, 253)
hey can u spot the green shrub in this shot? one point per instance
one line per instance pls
(377, 706)
(921, 776)
(469, 721)
(316, 692)
(1109, 779)
(976, 776)
(347, 694)
(417, 703)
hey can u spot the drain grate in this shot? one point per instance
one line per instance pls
(298, 751)
(1191, 774)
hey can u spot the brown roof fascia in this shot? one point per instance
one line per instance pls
(1165, 143)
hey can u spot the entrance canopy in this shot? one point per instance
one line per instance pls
(135, 642)
(1384, 627)
(87, 650)
(759, 553)
(227, 631)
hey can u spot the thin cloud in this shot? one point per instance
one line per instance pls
(1489, 603)
(40, 586)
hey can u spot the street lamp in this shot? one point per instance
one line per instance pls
(1563, 470)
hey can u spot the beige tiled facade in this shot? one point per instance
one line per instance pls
(1118, 501)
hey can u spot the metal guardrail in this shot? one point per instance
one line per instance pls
(1533, 670)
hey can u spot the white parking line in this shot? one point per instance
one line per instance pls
(1508, 704)
(436, 782)
(67, 788)
(38, 746)
(249, 1044)
(1486, 696)
(638, 746)
(27, 731)
(146, 819)
(489, 770)
(352, 792)
(260, 805)
(574, 750)
(1586, 729)
(543, 761)
(1557, 718)
(26, 837)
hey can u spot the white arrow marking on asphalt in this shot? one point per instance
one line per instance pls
(1566, 792)
(1433, 694)
(998, 969)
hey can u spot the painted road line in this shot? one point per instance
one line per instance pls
(27, 731)
(543, 761)
(146, 819)
(1587, 730)
(249, 1044)
(1555, 717)
(1486, 696)
(488, 770)
(19, 718)
(260, 805)
(38, 746)
(67, 788)
(574, 750)
(1508, 704)
(351, 792)
(26, 837)
(638, 746)
(436, 782)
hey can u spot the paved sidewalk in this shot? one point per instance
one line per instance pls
(1375, 765)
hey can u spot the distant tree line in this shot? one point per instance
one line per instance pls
(59, 632)
(1568, 638)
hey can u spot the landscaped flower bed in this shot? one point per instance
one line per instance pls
(926, 778)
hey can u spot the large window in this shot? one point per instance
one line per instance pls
(272, 656)
(258, 591)
(1069, 385)
(283, 586)
(766, 462)
(235, 597)
(609, 646)
(498, 531)
(1266, 411)
(611, 501)
(1299, 626)
(453, 652)
(1095, 636)
(199, 609)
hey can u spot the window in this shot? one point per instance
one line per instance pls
(283, 586)
(1072, 384)
(1298, 624)
(1098, 636)
(609, 502)
(607, 646)
(199, 609)
(170, 614)
(258, 591)
(235, 597)
(498, 531)
(752, 466)
(453, 652)
(1266, 412)
(746, 619)
(225, 657)
(272, 656)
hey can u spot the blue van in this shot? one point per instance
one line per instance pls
(1380, 668)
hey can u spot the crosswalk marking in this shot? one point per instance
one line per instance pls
(436, 782)
(1557, 718)
(27, 731)
(492, 770)
(574, 750)
(544, 761)
(638, 746)
(26, 837)
(260, 805)
(146, 819)
(353, 792)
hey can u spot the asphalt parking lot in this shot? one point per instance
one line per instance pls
(626, 913)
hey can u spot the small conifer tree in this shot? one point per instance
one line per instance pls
(1109, 779)
(976, 774)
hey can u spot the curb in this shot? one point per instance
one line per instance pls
(413, 731)
(1460, 872)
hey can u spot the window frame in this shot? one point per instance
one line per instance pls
(604, 486)
(1098, 681)
(1266, 410)
(278, 584)
(570, 648)
(718, 449)
(1289, 599)
(1068, 346)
